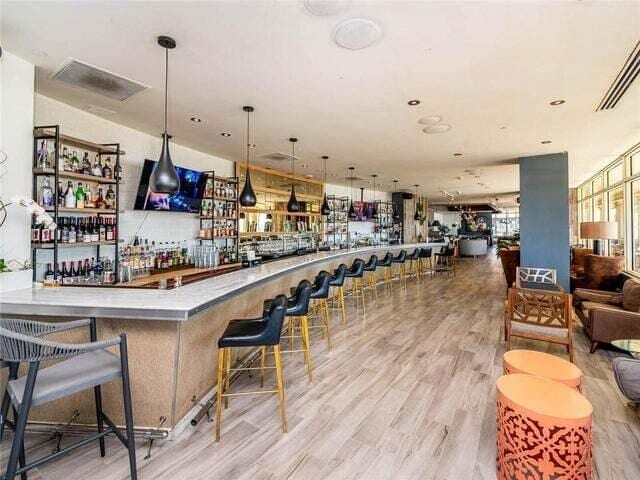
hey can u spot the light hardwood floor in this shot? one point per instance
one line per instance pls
(406, 393)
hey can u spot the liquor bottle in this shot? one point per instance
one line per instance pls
(86, 164)
(106, 170)
(45, 234)
(110, 198)
(43, 155)
(100, 203)
(80, 232)
(109, 234)
(75, 163)
(87, 269)
(79, 196)
(72, 231)
(117, 174)
(97, 166)
(88, 197)
(66, 275)
(102, 231)
(72, 272)
(35, 233)
(64, 230)
(65, 160)
(95, 236)
(49, 273)
(70, 197)
(46, 194)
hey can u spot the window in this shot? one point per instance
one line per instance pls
(635, 163)
(615, 174)
(616, 214)
(586, 211)
(635, 223)
(597, 185)
(598, 208)
(586, 190)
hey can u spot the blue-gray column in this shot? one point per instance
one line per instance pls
(544, 213)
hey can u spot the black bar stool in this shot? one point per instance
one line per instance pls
(355, 273)
(425, 257)
(320, 295)
(83, 366)
(337, 285)
(445, 260)
(298, 311)
(414, 260)
(371, 280)
(259, 332)
(400, 259)
(387, 265)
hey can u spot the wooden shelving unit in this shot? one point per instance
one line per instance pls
(75, 176)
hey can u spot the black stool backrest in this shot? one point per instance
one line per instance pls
(415, 255)
(299, 303)
(274, 320)
(337, 280)
(449, 251)
(357, 268)
(425, 252)
(372, 263)
(386, 261)
(321, 285)
(402, 256)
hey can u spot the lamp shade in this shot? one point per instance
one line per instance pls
(599, 230)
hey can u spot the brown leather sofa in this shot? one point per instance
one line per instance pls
(599, 273)
(608, 316)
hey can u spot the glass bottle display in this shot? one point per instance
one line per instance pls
(46, 194)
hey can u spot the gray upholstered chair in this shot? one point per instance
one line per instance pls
(80, 367)
(627, 374)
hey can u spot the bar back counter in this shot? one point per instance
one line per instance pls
(171, 334)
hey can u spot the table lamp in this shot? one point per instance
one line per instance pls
(598, 231)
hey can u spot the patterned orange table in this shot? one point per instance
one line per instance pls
(542, 365)
(543, 430)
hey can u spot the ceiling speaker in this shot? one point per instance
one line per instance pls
(325, 8)
(357, 33)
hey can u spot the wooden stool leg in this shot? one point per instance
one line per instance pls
(305, 340)
(278, 359)
(341, 300)
(228, 376)
(364, 309)
(221, 356)
(327, 324)
(263, 354)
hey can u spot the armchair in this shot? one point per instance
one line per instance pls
(608, 316)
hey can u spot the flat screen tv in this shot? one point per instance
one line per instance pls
(187, 199)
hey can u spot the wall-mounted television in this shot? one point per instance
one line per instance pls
(187, 199)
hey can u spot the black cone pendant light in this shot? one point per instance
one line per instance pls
(248, 196)
(164, 178)
(416, 216)
(352, 210)
(374, 212)
(293, 205)
(324, 209)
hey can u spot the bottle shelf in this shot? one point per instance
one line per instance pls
(49, 133)
(280, 212)
(75, 176)
(103, 211)
(209, 217)
(215, 238)
(50, 246)
(216, 197)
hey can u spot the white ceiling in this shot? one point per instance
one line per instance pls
(488, 69)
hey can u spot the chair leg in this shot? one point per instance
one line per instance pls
(307, 350)
(594, 347)
(324, 307)
(17, 447)
(283, 415)
(227, 376)
(128, 410)
(364, 308)
(570, 351)
(263, 354)
(342, 308)
(97, 392)
(221, 357)
(6, 400)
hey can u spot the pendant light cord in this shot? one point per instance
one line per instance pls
(166, 86)
(248, 114)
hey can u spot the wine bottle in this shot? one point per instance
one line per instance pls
(106, 170)
(97, 166)
(72, 231)
(49, 274)
(60, 195)
(70, 197)
(86, 164)
(79, 196)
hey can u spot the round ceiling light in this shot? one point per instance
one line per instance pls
(357, 33)
(555, 103)
(439, 128)
(413, 103)
(225, 134)
(325, 8)
(430, 120)
(195, 119)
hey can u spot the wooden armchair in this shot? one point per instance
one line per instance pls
(540, 315)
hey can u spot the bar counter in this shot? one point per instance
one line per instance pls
(171, 334)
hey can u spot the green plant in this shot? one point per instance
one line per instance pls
(420, 212)
(3, 266)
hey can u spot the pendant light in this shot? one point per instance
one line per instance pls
(324, 209)
(292, 204)
(352, 210)
(164, 178)
(416, 216)
(248, 196)
(374, 212)
(396, 214)
(269, 214)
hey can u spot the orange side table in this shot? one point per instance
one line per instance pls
(543, 430)
(542, 365)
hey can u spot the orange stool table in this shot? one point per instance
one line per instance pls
(543, 430)
(542, 365)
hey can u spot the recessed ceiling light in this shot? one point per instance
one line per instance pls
(252, 145)
(430, 119)
(439, 128)
(357, 33)
(457, 154)
(195, 119)
(503, 128)
(225, 134)
(305, 165)
(413, 103)
(545, 142)
(325, 8)
(556, 102)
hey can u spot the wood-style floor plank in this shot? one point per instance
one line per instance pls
(408, 392)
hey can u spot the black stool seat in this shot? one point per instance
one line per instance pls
(321, 285)
(401, 258)
(387, 260)
(415, 255)
(371, 265)
(256, 332)
(425, 252)
(356, 270)
(445, 252)
(337, 279)
(298, 304)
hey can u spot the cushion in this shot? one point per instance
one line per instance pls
(631, 296)
(521, 328)
(627, 374)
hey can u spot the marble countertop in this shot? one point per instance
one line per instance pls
(177, 305)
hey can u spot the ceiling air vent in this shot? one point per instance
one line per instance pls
(623, 81)
(279, 157)
(83, 75)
